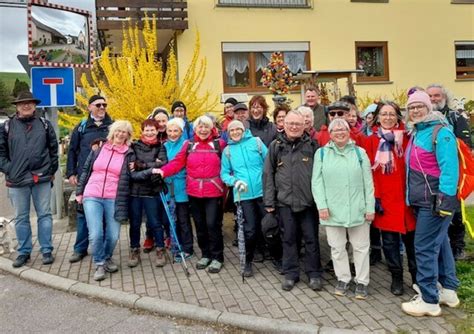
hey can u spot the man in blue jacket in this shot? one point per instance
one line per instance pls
(84, 135)
(29, 159)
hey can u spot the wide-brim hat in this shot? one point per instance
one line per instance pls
(25, 97)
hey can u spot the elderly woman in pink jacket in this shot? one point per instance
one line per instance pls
(202, 160)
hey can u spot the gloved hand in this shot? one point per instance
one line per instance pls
(241, 186)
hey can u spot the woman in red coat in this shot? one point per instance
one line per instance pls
(393, 217)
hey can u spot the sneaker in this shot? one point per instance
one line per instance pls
(76, 257)
(134, 258)
(21, 260)
(110, 266)
(203, 263)
(215, 267)
(48, 258)
(341, 288)
(99, 274)
(178, 259)
(288, 284)
(160, 257)
(248, 270)
(417, 307)
(361, 292)
(459, 254)
(148, 245)
(448, 297)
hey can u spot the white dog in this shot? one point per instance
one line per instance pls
(7, 235)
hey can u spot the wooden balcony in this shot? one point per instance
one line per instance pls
(170, 16)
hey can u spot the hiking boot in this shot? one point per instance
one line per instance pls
(288, 284)
(258, 257)
(178, 259)
(248, 270)
(417, 307)
(375, 256)
(48, 258)
(134, 258)
(341, 288)
(459, 254)
(361, 291)
(99, 274)
(160, 257)
(76, 257)
(110, 266)
(448, 297)
(21, 260)
(315, 284)
(148, 245)
(215, 267)
(397, 285)
(203, 263)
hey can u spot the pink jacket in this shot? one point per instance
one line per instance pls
(103, 182)
(203, 168)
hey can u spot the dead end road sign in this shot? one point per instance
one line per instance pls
(55, 87)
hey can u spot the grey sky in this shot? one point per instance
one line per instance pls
(66, 23)
(14, 33)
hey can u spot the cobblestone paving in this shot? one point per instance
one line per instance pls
(261, 295)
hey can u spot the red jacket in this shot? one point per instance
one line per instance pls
(203, 167)
(390, 189)
(322, 136)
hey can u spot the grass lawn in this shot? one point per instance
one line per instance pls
(9, 79)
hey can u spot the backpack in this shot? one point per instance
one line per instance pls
(259, 148)
(466, 175)
(359, 156)
(217, 147)
(82, 126)
(6, 124)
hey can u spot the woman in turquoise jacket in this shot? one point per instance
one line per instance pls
(343, 190)
(177, 187)
(242, 167)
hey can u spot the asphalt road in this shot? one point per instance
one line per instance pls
(27, 307)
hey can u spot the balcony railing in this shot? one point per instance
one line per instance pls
(265, 3)
(170, 14)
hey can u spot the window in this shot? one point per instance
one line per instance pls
(265, 3)
(464, 60)
(243, 63)
(372, 58)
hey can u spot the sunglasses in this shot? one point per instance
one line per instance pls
(100, 105)
(338, 113)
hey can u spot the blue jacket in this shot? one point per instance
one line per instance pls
(176, 183)
(244, 161)
(432, 173)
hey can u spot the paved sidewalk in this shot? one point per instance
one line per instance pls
(260, 296)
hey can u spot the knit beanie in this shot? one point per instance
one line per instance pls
(158, 110)
(178, 104)
(231, 100)
(235, 124)
(94, 98)
(421, 97)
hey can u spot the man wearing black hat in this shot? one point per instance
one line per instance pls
(29, 159)
(89, 131)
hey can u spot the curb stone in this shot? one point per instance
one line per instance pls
(165, 307)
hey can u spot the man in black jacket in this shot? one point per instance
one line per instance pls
(89, 131)
(29, 159)
(287, 189)
(440, 98)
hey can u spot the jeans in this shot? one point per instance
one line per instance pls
(82, 236)
(162, 219)
(155, 227)
(253, 214)
(183, 227)
(96, 209)
(207, 215)
(310, 232)
(391, 250)
(434, 258)
(21, 199)
(456, 233)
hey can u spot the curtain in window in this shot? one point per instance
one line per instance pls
(235, 62)
(295, 60)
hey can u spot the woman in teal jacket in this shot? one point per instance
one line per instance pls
(343, 189)
(177, 187)
(242, 167)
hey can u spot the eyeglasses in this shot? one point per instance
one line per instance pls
(338, 113)
(339, 130)
(417, 107)
(294, 124)
(100, 105)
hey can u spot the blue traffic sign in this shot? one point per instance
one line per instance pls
(55, 87)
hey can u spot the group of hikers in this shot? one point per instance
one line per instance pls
(378, 181)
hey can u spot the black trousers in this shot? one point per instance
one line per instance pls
(254, 212)
(391, 250)
(183, 227)
(207, 215)
(456, 233)
(309, 225)
(375, 243)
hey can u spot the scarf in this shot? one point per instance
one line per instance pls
(149, 141)
(390, 141)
